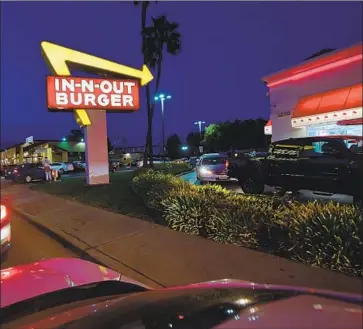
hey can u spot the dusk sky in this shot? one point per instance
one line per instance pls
(226, 48)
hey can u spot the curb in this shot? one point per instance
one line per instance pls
(184, 173)
(84, 254)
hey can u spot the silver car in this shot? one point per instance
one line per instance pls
(212, 167)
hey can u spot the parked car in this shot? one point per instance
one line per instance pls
(193, 161)
(74, 293)
(323, 164)
(5, 230)
(26, 172)
(212, 167)
(5, 170)
(79, 165)
(62, 167)
(114, 166)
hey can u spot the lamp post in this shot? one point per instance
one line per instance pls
(162, 98)
(200, 123)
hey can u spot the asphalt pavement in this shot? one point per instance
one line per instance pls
(29, 244)
(304, 195)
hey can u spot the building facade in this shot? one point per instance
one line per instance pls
(35, 151)
(320, 96)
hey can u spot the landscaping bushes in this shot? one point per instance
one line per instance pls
(325, 235)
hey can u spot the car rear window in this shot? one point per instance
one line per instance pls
(214, 161)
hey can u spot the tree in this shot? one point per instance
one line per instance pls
(161, 36)
(75, 135)
(173, 145)
(148, 145)
(239, 134)
(109, 145)
(193, 141)
(154, 38)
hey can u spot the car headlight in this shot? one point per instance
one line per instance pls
(205, 171)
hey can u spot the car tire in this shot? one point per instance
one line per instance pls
(252, 186)
(28, 179)
(61, 171)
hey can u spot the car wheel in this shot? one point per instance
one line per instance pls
(61, 171)
(252, 186)
(28, 179)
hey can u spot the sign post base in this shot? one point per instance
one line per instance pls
(97, 170)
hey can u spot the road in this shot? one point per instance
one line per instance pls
(29, 244)
(304, 195)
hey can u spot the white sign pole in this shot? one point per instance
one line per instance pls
(97, 171)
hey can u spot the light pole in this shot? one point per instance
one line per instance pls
(162, 98)
(200, 123)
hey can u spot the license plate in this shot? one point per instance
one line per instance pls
(222, 177)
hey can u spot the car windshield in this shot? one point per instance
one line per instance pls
(214, 161)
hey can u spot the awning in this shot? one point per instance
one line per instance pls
(268, 128)
(332, 106)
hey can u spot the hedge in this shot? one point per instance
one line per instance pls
(327, 235)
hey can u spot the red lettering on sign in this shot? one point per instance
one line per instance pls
(69, 93)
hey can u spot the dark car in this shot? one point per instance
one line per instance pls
(323, 164)
(26, 172)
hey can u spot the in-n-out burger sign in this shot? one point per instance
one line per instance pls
(69, 93)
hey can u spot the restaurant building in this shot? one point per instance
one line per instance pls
(320, 96)
(34, 151)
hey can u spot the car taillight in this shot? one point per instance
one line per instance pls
(3, 212)
(227, 163)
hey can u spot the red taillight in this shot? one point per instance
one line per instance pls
(227, 163)
(3, 212)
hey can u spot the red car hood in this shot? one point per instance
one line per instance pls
(26, 281)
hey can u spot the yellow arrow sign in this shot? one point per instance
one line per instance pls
(59, 58)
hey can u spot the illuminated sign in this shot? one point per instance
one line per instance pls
(29, 140)
(69, 93)
(61, 59)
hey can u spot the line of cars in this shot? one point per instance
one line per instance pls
(29, 172)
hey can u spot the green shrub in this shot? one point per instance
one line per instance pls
(152, 186)
(327, 235)
(215, 213)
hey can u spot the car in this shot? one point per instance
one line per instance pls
(74, 293)
(26, 172)
(5, 230)
(193, 161)
(79, 165)
(323, 164)
(212, 167)
(61, 167)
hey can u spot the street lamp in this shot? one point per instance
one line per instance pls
(162, 98)
(200, 123)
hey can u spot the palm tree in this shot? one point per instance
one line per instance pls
(160, 36)
(148, 147)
